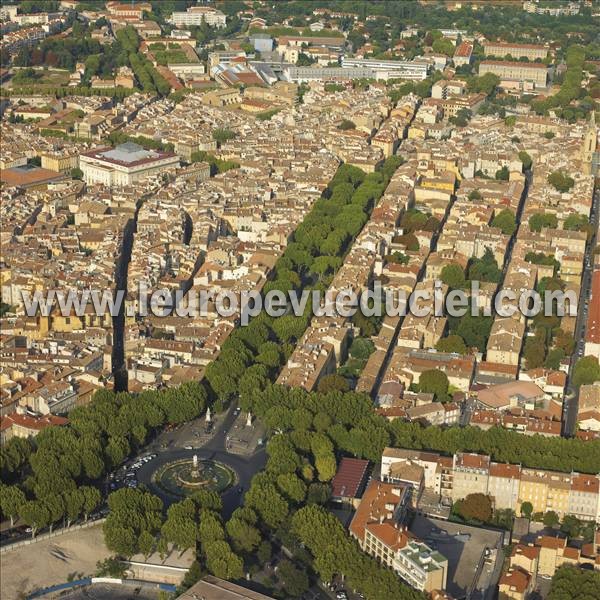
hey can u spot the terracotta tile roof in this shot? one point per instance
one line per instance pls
(349, 478)
(531, 552)
(516, 579)
(391, 536)
(375, 505)
(571, 553)
(551, 542)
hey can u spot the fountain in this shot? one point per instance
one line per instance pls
(195, 471)
(186, 476)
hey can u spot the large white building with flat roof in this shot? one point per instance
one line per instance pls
(403, 69)
(124, 165)
(196, 15)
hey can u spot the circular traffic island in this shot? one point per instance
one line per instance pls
(186, 476)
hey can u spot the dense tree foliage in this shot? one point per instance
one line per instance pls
(573, 583)
(57, 470)
(506, 221)
(335, 553)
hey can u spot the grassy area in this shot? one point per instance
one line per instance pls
(164, 57)
(40, 78)
(267, 114)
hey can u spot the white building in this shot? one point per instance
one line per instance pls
(196, 15)
(124, 165)
(391, 68)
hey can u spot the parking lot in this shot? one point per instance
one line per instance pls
(464, 547)
(126, 475)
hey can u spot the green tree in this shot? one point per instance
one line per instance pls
(12, 499)
(586, 371)
(485, 84)
(331, 383)
(525, 159)
(476, 507)
(452, 343)
(505, 220)
(434, 382)
(295, 582)
(561, 181)
(551, 519)
(244, 536)
(527, 509)
(35, 514)
(538, 221)
(326, 466)
(91, 500)
(346, 124)
(453, 276)
(572, 583)
(292, 487)
(503, 173)
(222, 562)
(571, 526)
(146, 544)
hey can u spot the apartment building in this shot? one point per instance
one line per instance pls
(588, 415)
(305, 74)
(462, 54)
(471, 474)
(509, 486)
(503, 484)
(521, 72)
(196, 15)
(584, 497)
(378, 527)
(515, 584)
(61, 161)
(545, 490)
(592, 332)
(551, 548)
(423, 568)
(529, 51)
(24, 425)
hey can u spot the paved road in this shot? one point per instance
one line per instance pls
(571, 402)
(245, 469)
(244, 466)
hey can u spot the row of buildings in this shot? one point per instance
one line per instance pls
(452, 478)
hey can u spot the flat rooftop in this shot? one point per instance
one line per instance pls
(463, 546)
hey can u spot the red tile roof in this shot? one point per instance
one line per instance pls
(593, 322)
(349, 478)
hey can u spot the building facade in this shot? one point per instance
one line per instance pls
(124, 165)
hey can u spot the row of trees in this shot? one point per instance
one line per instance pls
(149, 78)
(349, 422)
(254, 354)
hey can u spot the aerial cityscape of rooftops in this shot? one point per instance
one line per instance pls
(300, 299)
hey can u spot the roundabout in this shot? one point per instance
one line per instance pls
(185, 476)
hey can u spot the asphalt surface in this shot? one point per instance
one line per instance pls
(214, 449)
(571, 401)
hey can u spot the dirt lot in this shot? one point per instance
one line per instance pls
(51, 561)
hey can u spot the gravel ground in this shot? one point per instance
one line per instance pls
(50, 562)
